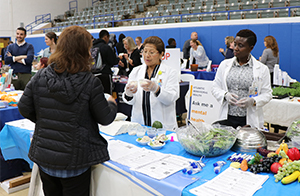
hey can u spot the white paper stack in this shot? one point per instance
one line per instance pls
(232, 182)
(149, 162)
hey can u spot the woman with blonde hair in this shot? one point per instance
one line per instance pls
(130, 59)
(270, 55)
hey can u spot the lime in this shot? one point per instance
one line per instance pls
(157, 125)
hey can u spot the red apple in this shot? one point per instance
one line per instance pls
(274, 167)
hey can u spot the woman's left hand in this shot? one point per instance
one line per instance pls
(245, 102)
(125, 56)
(149, 85)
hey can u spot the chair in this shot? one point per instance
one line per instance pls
(187, 77)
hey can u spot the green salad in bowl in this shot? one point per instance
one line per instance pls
(205, 139)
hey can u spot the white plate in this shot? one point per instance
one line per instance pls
(156, 147)
(141, 143)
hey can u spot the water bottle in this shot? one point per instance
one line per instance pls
(218, 165)
(197, 167)
(12, 88)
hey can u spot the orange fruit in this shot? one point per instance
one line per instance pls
(281, 161)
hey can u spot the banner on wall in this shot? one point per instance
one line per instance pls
(172, 58)
(203, 107)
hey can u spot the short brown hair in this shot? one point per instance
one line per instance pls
(73, 51)
(157, 42)
(139, 38)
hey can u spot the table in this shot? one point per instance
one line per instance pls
(9, 114)
(203, 75)
(126, 109)
(281, 112)
(102, 172)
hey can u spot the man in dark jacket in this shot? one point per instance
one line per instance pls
(109, 59)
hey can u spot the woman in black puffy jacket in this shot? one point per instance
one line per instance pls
(66, 103)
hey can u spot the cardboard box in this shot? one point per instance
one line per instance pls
(16, 184)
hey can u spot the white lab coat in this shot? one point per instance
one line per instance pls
(254, 113)
(163, 107)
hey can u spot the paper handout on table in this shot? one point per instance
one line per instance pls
(149, 162)
(115, 127)
(231, 182)
(164, 167)
(131, 155)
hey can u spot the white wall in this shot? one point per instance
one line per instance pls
(13, 12)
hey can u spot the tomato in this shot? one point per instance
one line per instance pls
(274, 167)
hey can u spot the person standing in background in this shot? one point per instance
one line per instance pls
(171, 43)
(42, 63)
(186, 47)
(3, 50)
(20, 56)
(270, 55)
(50, 40)
(130, 59)
(198, 53)
(139, 44)
(112, 42)
(109, 59)
(228, 53)
(120, 45)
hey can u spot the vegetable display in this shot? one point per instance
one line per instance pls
(294, 91)
(207, 140)
(294, 129)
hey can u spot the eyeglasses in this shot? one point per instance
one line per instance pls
(151, 53)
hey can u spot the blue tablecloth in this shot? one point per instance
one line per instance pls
(9, 114)
(203, 75)
(15, 139)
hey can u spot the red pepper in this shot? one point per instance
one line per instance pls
(293, 154)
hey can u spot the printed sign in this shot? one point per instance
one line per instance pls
(203, 107)
(172, 58)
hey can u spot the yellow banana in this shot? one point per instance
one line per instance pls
(291, 178)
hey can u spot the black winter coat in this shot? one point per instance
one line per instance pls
(66, 109)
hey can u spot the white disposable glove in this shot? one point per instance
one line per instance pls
(131, 88)
(231, 98)
(245, 102)
(149, 85)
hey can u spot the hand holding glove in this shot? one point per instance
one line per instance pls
(131, 88)
(149, 85)
(245, 102)
(231, 98)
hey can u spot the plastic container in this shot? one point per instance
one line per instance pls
(151, 132)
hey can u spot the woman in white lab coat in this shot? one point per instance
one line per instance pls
(153, 88)
(242, 85)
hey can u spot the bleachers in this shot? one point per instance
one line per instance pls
(107, 13)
